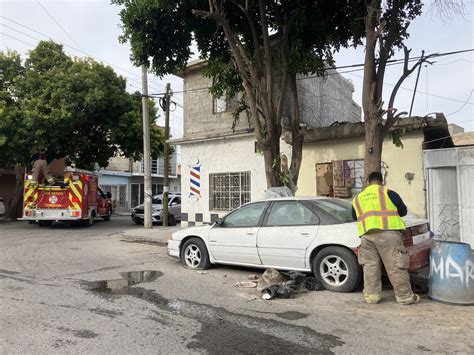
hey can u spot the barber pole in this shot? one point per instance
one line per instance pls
(195, 181)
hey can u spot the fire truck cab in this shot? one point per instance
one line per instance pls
(77, 198)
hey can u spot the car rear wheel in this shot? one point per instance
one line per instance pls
(337, 269)
(194, 254)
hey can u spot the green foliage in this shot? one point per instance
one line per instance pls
(160, 33)
(72, 107)
(397, 134)
(285, 178)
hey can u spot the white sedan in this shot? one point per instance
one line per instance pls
(305, 234)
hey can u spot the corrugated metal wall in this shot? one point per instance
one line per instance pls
(449, 177)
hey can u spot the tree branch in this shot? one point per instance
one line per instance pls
(391, 117)
(253, 30)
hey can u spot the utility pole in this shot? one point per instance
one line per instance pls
(146, 150)
(416, 83)
(166, 155)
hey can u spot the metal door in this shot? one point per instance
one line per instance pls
(443, 202)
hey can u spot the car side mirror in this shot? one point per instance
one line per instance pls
(219, 221)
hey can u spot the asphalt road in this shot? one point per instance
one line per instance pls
(52, 283)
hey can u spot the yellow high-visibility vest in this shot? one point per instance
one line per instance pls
(375, 210)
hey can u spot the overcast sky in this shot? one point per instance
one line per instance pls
(93, 28)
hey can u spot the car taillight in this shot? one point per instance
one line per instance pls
(407, 238)
(76, 213)
(420, 229)
(75, 199)
(29, 213)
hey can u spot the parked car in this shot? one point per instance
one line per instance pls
(305, 234)
(174, 210)
(2, 207)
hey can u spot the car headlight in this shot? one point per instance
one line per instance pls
(155, 210)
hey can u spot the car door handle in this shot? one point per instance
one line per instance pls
(250, 233)
(305, 233)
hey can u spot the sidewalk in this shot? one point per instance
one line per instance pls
(155, 235)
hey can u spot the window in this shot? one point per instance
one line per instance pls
(228, 190)
(333, 211)
(176, 201)
(354, 169)
(247, 216)
(156, 201)
(221, 104)
(291, 213)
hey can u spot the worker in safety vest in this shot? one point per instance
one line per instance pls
(40, 167)
(378, 212)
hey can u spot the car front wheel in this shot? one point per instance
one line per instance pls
(337, 269)
(194, 254)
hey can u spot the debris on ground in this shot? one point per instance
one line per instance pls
(202, 272)
(246, 284)
(275, 284)
(277, 291)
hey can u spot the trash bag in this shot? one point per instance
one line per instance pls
(277, 291)
(271, 277)
(313, 284)
(275, 192)
(303, 281)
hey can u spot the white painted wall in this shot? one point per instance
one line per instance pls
(234, 154)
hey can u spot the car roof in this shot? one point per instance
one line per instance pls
(304, 198)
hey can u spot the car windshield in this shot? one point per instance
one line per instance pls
(340, 210)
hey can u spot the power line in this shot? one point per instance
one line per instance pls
(67, 52)
(59, 25)
(445, 137)
(75, 49)
(17, 39)
(464, 104)
(421, 92)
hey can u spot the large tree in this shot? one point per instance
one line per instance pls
(74, 108)
(386, 29)
(254, 47)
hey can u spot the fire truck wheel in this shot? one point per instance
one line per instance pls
(108, 216)
(90, 221)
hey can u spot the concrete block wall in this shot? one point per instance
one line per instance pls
(325, 100)
(199, 118)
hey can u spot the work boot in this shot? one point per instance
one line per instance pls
(372, 299)
(414, 299)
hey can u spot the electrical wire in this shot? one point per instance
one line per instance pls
(445, 137)
(420, 92)
(59, 25)
(151, 82)
(464, 104)
(17, 39)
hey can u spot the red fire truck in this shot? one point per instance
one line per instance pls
(77, 198)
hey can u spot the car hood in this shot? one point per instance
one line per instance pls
(199, 231)
(142, 206)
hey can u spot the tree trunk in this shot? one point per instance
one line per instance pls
(272, 159)
(14, 206)
(374, 136)
(297, 134)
